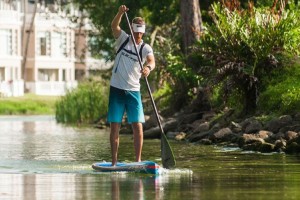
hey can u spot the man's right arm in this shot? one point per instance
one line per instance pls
(115, 24)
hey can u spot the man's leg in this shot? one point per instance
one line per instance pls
(137, 129)
(114, 141)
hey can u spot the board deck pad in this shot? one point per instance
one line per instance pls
(148, 167)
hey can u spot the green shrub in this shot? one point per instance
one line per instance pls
(282, 96)
(163, 96)
(244, 47)
(85, 104)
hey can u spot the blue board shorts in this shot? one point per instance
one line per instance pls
(121, 101)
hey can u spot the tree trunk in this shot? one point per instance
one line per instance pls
(191, 22)
(28, 38)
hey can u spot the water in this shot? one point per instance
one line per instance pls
(40, 159)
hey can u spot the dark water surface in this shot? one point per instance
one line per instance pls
(40, 159)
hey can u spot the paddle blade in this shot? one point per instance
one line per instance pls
(168, 159)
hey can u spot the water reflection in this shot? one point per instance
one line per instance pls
(71, 186)
(41, 138)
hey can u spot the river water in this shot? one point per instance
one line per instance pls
(40, 159)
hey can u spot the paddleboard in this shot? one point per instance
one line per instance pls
(148, 167)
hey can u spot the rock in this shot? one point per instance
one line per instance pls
(170, 124)
(293, 148)
(294, 127)
(276, 136)
(180, 136)
(193, 137)
(246, 122)
(152, 133)
(296, 140)
(176, 135)
(280, 144)
(224, 134)
(196, 123)
(216, 127)
(171, 135)
(264, 134)
(151, 121)
(202, 127)
(297, 117)
(266, 148)
(208, 115)
(190, 118)
(291, 135)
(198, 136)
(253, 126)
(249, 139)
(155, 132)
(205, 142)
(275, 124)
(235, 127)
(255, 145)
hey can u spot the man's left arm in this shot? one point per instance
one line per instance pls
(150, 65)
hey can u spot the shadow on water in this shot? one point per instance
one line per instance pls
(41, 159)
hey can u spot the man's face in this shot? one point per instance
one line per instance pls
(138, 30)
(138, 36)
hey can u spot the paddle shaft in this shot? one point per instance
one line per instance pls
(149, 90)
(146, 80)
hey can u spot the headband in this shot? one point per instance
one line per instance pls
(139, 28)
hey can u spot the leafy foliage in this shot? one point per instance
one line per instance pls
(102, 13)
(174, 79)
(245, 45)
(85, 104)
(282, 93)
(236, 55)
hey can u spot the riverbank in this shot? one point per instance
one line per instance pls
(260, 134)
(29, 104)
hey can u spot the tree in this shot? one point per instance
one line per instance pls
(101, 14)
(28, 36)
(191, 23)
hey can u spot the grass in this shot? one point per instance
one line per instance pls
(29, 104)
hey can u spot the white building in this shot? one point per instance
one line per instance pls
(11, 82)
(50, 55)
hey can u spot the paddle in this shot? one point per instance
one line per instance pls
(167, 155)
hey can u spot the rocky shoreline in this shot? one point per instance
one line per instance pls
(281, 134)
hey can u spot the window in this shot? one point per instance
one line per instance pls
(48, 75)
(63, 75)
(6, 42)
(59, 44)
(43, 43)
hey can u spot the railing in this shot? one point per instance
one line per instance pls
(51, 88)
(11, 88)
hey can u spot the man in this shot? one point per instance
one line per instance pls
(125, 83)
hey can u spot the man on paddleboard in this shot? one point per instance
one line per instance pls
(125, 93)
